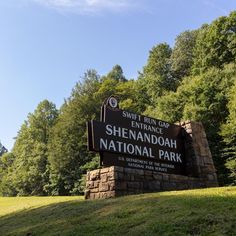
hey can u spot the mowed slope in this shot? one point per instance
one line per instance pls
(194, 212)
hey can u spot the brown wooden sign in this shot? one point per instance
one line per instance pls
(127, 139)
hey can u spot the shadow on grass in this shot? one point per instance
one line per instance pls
(147, 214)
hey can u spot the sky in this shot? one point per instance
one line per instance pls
(47, 45)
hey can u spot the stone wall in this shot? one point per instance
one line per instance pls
(199, 162)
(118, 181)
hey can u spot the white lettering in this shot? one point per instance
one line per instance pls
(178, 155)
(109, 129)
(112, 146)
(173, 143)
(103, 144)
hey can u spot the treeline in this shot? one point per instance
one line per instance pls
(194, 80)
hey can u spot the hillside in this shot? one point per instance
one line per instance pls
(193, 212)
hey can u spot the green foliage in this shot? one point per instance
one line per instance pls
(228, 131)
(182, 54)
(117, 74)
(68, 144)
(201, 98)
(156, 77)
(216, 44)
(28, 173)
(6, 162)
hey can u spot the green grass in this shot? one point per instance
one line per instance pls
(194, 212)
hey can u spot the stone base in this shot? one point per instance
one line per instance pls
(118, 181)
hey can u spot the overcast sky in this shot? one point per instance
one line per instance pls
(47, 45)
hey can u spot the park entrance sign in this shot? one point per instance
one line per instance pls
(140, 154)
(127, 139)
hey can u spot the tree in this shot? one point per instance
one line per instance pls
(182, 54)
(117, 74)
(215, 44)
(31, 153)
(156, 77)
(68, 155)
(6, 187)
(228, 131)
(69, 159)
(201, 98)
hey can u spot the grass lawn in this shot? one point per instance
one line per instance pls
(193, 212)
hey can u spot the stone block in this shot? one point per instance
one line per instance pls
(204, 151)
(148, 177)
(208, 169)
(120, 176)
(104, 170)
(96, 184)
(103, 187)
(182, 186)
(132, 177)
(145, 185)
(178, 178)
(112, 185)
(139, 177)
(94, 175)
(103, 177)
(193, 179)
(89, 184)
(127, 177)
(104, 195)
(148, 172)
(111, 175)
(129, 171)
(169, 186)
(94, 190)
(211, 177)
(154, 185)
(194, 184)
(116, 169)
(157, 176)
(165, 177)
(111, 194)
(208, 160)
(133, 185)
(97, 195)
(121, 185)
(139, 172)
